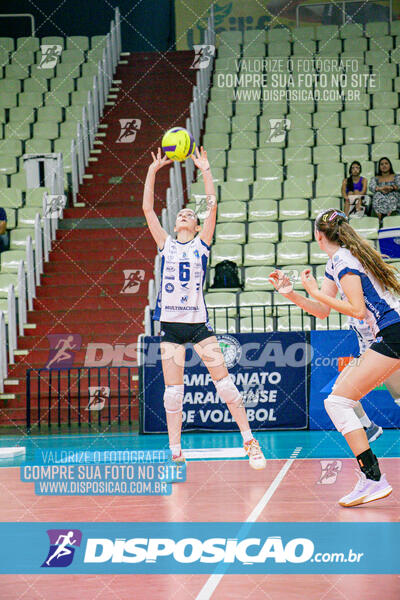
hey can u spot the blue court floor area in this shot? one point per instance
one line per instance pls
(276, 444)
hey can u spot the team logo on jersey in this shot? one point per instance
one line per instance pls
(169, 288)
(231, 349)
(184, 299)
(196, 253)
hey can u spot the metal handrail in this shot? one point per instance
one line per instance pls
(28, 15)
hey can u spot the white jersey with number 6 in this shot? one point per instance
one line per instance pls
(183, 269)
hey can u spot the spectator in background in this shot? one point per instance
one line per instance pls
(4, 241)
(354, 188)
(385, 187)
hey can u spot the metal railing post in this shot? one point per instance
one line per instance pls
(38, 249)
(30, 272)
(12, 323)
(22, 312)
(3, 352)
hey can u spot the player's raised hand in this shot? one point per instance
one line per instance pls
(281, 282)
(200, 159)
(309, 282)
(158, 161)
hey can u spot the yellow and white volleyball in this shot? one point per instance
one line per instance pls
(178, 144)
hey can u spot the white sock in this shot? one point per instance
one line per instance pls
(176, 449)
(365, 421)
(362, 415)
(247, 435)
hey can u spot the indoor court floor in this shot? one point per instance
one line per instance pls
(293, 488)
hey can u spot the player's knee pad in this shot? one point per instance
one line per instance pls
(341, 412)
(228, 391)
(173, 398)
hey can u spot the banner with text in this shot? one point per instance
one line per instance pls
(201, 548)
(269, 370)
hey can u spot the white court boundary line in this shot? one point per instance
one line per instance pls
(213, 581)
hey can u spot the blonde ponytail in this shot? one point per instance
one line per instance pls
(334, 224)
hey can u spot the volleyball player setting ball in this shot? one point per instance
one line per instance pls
(182, 311)
(369, 290)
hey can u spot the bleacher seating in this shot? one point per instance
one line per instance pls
(270, 188)
(39, 110)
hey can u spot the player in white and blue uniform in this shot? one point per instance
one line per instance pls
(183, 270)
(365, 339)
(182, 311)
(369, 291)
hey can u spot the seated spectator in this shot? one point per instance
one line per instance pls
(385, 187)
(354, 188)
(4, 241)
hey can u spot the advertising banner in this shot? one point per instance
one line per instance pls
(191, 18)
(269, 370)
(156, 548)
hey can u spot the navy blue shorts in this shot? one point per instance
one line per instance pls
(184, 333)
(388, 341)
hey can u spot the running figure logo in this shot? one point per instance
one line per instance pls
(203, 55)
(133, 279)
(55, 204)
(278, 129)
(50, 56)
(62, 547)
(62, 350)
(98, 397)
(129, 129)
(330, 469)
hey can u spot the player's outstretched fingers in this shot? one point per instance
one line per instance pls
(305, 275)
